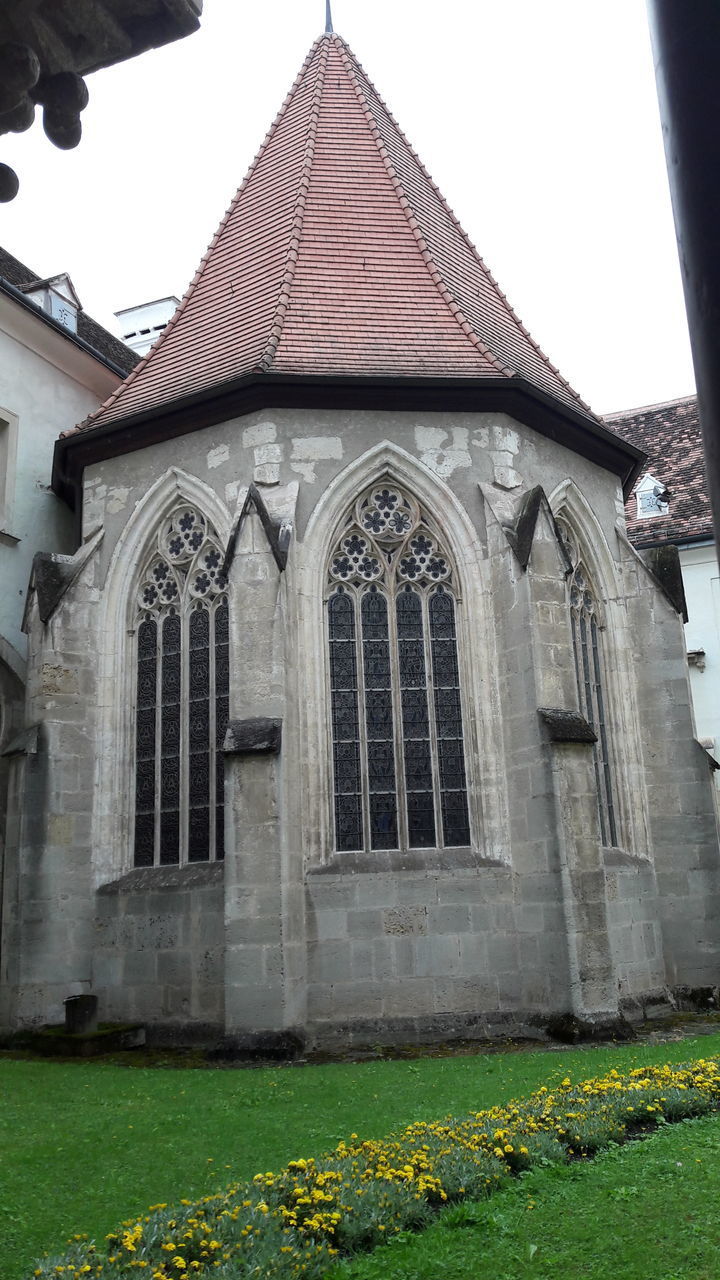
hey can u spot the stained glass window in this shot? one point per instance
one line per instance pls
(395, 695)
(181, 710)
(589, 669)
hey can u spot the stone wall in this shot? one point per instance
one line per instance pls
(415, 956)
(534, 918)
(158, 950)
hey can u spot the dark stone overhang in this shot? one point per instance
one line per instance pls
(515, 396)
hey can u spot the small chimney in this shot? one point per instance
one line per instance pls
(141, 326)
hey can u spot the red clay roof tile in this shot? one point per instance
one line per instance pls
(338, 256)
(670, 435)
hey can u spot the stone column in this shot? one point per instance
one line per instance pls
(568, 750)
(556, 851)
(256, 1008)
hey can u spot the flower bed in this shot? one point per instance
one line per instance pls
(297, 1221)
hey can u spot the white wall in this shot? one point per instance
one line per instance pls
(701, 577)
(50, 385)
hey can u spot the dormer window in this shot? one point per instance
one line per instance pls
(653, 498)
(56, 296)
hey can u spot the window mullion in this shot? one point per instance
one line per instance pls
(398, 735)
(184, 806)
(362, 726)
(212, 745)
(158, 736)
(432, 720)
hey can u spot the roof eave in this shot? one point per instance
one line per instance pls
(23, 301)
(515, 396)
(699, 538)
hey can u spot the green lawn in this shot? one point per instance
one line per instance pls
(647, 1209)
(84, 1145)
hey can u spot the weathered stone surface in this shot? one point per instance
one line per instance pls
(566, 726)
(664, 563)
(259, 734)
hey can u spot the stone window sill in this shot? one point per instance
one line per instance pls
(192, 875)
(615, 857)
(396, 860)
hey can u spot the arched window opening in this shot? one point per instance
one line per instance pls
(589, 668)
(182, 631)
(396, 714)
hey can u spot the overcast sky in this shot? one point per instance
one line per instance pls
(537, 118)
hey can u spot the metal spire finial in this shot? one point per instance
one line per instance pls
(328, 19)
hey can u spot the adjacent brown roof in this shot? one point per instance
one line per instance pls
(670, 436)
(107, 346)
(337, 257)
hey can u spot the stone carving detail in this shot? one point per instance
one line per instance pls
(188, 559)
(388, 539)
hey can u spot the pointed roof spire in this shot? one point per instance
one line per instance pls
(328, 19)
(338, 257)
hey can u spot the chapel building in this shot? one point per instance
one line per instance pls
(358, 718)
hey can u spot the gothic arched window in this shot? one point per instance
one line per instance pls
(397, 728)
(587, 630)
(182, 638)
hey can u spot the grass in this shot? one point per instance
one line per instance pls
(643, 1209)
(84, 1145)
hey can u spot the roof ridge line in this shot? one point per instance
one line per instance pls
(112, 399)
(458, 225)
(291, 259)
(649, 408)
(435, 275)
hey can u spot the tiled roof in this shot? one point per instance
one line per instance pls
(105, 343)
(670, 435)
(338, 256)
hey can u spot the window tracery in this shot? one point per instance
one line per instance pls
(182, 631)
(587, 627)
(396, 714)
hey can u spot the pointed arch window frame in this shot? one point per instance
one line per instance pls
(310, 782)
(182, 694)
(394, 685)
(632, 813)
(113, 808)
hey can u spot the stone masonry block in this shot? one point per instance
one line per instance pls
(408, 999)
(420, 891)
(464, 995)
(326, 894)
(383, 959)
(209, 968)
(139, 967)
(328, 924)
(474, 950)
(246, 965)
(378, 891)
(362, 960)
(438, 956)
(329, 962)
(357, 1000)
(404, 951)
(449, 919)
(405, 921)
(175, 968)
(365, 924)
